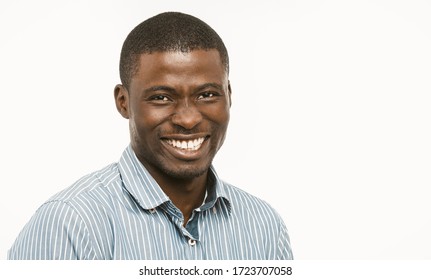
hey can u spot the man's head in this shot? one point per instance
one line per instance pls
(168, 32)
(175, 93)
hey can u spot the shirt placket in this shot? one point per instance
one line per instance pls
(190, 233)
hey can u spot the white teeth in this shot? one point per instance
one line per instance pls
(186, 145)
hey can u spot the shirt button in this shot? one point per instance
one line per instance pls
(192, 242)
(153, 210)
(214, 210)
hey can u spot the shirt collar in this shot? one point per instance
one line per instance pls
(215, 190)
(147, 192)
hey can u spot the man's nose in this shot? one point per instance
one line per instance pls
(187, 116)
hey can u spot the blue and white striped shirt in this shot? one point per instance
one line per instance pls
(120, 212)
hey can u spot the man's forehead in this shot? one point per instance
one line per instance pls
(169, 68)
(179, 54)
(178, 60)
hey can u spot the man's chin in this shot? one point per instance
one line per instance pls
(188, 172)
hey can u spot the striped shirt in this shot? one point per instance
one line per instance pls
(120, 212)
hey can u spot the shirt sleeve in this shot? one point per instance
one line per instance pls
(55, 232)
(284, 247)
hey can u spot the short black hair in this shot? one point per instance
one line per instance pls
(168, 32)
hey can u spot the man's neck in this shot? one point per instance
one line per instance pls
(186, 194)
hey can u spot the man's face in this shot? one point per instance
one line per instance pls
(178, 110)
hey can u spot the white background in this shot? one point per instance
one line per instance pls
(330, 123)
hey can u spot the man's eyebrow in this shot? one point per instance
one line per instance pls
(159, 88)
(172, 90)
(207, 85)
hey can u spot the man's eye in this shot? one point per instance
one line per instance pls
(208, 94)
(159, 98)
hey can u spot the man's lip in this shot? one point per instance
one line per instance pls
(185, 154)
(185, 137)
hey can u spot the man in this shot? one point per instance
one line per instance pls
(163, 199)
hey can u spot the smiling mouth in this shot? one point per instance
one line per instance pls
(187, 145)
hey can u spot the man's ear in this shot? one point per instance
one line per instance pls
(230, 94)
(122, 100)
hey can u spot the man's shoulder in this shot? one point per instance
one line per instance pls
(244, 201)
(237, 193)
(96, 182)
